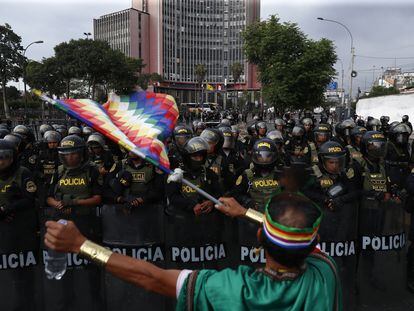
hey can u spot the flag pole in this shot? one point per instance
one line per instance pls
(134, 150)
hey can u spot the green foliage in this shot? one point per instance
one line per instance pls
(200, 72)
(293, 69)
(382, 91)
(11, 60)
(12, 93)
(236, 71)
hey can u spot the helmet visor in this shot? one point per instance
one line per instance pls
(264, 157)
(376, 149)
(334, 164)
(71, 160)
(402, 138)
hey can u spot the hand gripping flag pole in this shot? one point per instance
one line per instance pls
(92, 114)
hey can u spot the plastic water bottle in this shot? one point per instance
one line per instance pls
(55, 262)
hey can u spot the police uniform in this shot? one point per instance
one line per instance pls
(18, 236)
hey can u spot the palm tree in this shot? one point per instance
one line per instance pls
(200, 73)
(236, 71)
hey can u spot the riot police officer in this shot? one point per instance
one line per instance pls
(199, 128)
(354, 148)
(48, 163)
(385, 125)
(336, 188)
(308, 126)
(18, 231)
(214, 160)
(321, 134)
(380, 222)
(86, 131)
(297, 148)
(277, 138)
(99, 155)
(180, 136)
(192, 220)
(343, 132)
(28, 152)
(405, 119)
(397, 158)
(43, 129)
(74, 194)
(253, 189)
(280, 125)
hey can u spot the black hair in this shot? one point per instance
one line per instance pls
(292, 210)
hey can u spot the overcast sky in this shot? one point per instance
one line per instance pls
(380, 28)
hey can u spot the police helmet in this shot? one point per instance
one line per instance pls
(74, 130)
(400, 133)
(235, 130)
(251, 130)
(225, 122)
(96, 140)
(276, 136)
(290, 124)
(181, 135)
(332, 156)
(200, 127)
(7, 154)
(4, 132)
(297, 132)
(44, 128)
(25, 133)
(62, 130)
(256, 118)
(373, 144)
(357, 131)
(86, 131)
(196, 146)
(264, 153)
(322, 133)
(69, 145)
(373, 125)
(229, 139)
(405, 118)
(214, 138)
(384, 119)
(307, 122)
(360, 122)
(279, 123)
(260, 125)
(16, 140)
(344, 128)
(52, 137)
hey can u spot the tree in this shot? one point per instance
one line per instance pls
(11, 60)
(200, 72)
(236, 71)
(293, 69)
(46, 76)
(382, 91)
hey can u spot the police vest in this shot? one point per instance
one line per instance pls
(375, 181)
(49, 167)
(324, 180)
(261, 189)
(355, 155)
(74, 183)
(214, 164)
(140, 178)
(199, 181)
(7, 184)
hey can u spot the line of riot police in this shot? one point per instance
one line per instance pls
(358, 172)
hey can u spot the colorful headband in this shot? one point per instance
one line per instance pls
(290, 237)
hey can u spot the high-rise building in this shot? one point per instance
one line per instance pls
(176, 36)
(126, 31)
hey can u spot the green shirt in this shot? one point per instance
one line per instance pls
(317, 288)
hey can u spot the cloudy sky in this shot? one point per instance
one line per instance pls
(382, 30)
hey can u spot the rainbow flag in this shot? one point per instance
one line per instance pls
(136, 122)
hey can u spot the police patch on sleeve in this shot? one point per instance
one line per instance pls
(239, 180)
(31, 186)
(350, 173)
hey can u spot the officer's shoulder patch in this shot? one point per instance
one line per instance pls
(31, 186)
(239, 180)
(306, 150)
(350, 173)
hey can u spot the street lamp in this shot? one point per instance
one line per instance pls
(352, 55)
(24, 74)
(87, 34)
